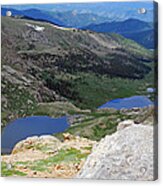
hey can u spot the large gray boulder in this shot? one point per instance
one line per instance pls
(127, 154)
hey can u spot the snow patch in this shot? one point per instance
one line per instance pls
(36, 27)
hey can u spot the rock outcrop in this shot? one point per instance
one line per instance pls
(127, 154)
(46, 156)
(37, 143)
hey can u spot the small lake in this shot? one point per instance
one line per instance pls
(30, 126)
(128, 103)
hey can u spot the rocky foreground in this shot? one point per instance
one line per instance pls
(46, 156)
(126, 154)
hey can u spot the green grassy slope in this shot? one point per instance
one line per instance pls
(81, 67)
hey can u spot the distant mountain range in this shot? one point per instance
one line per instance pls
(113, 11)
(33, 14)
(140, 31)
(145, 38)
(121, 27)
(66, 19)
(77, 20)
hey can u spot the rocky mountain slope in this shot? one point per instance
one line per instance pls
(46, 63)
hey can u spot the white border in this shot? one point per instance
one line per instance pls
(56, 182)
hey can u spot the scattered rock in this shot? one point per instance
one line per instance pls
(35, 173)
(68, 136)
